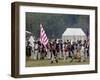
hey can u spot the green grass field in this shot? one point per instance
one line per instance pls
(39, 63)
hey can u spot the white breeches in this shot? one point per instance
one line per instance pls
(65, 55)
(48, 54)
(82, 56)
(34, 55)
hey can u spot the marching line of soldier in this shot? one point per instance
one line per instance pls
(56, 50)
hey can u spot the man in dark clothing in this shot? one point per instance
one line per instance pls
(53, 53)
(28, 50)
(60, 49)
(72, 52)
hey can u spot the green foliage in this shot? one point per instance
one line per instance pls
(55, 24)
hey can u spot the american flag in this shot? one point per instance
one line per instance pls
(43, 37)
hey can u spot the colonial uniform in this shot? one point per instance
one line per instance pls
(53, 53)
(65, 52)
(28, 50)
(82, 54)
(36, 51)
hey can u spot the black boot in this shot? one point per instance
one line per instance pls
(51, 62)
(56, 61)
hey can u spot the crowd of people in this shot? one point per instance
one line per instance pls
(58, 50)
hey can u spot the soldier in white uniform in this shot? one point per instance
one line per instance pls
(36, 51)
(31, 40)
(65, 51)
(82, 54)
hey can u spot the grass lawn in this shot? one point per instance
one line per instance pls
(39, 63)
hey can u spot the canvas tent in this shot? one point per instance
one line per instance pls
(73, 34)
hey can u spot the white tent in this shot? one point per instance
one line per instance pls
(73, 34)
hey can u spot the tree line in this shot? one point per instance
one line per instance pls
(55, 24)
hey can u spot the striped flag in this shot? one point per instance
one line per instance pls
(43, 37)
